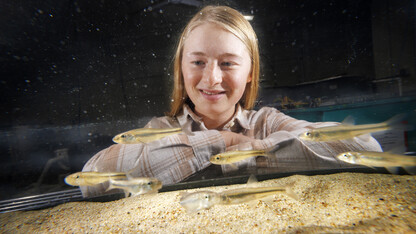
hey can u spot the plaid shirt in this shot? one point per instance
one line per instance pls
(177, 157)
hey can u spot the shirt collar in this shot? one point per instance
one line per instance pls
(186, 115)
(240, 117)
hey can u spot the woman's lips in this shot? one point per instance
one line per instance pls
(212, 95)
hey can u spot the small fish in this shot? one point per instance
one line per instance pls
(388, 160)
(200, 200)
(347, 130)
(231, 157)
(242, 195)
(196, 201)
(146, 135)
(136, 185)
(92, 178)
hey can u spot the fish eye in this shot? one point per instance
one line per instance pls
(149, 183)
(77, 177)
(123, 136)
(308, 133)
(206, 196)
(346, 156)
(217, 158)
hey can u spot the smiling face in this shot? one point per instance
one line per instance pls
(216, 68)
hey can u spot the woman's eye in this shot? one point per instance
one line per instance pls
(226, 64)
(198, 63)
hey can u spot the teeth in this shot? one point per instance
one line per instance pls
(209, 93)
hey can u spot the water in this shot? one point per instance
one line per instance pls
(75, 74)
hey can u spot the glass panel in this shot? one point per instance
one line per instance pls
(76, 73)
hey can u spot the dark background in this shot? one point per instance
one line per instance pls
(75, 73)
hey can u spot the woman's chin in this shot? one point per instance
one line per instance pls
(214, 110)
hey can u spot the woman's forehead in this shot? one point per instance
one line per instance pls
(212, 39)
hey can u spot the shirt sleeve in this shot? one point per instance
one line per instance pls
(278, 121)
(170, 159)
(315, 154)
(280, 132)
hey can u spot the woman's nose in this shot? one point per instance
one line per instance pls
(212, 74)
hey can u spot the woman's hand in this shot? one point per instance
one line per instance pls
(232, 138)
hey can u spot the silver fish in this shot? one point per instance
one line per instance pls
(135, 186)
(200, 200)
(347, 130)
(243, 195)
(92, 178)
(388, 160)
(146, 135)
(235, 156)
(230, 157)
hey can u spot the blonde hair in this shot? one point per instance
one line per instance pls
(234, 22)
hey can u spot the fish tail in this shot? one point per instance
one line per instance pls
(272, 150)
(252, 179)
(110, 186)
(411, 170)
(290, 192)
(396, 123)
(393, 170)
(129, 172)
(264, 153)
(127, 193)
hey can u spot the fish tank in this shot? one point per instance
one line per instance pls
(76, 73)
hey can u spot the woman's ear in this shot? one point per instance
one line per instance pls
(249, 79)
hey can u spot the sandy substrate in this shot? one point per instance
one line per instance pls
(345, 202)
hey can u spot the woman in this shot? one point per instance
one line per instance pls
(216, 77)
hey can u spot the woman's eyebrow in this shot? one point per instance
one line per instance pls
(197, 53)
(224, 55)
(231, 55)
